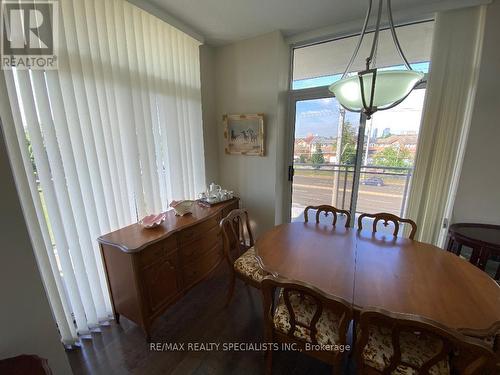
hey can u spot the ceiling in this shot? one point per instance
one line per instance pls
(224, 21)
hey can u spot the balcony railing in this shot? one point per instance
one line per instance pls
(381, 189)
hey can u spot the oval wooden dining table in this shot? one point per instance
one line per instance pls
(382, 271)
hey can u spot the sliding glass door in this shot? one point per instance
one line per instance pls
(324, 154)
(342, 159)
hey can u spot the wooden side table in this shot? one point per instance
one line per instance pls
(484, 239)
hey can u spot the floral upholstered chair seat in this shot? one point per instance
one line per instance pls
(248, 265)
(304, 308)
(416, 349)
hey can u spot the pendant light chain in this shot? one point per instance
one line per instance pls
(372, 89)
(394, 35)
(369, 59)
(360, 39)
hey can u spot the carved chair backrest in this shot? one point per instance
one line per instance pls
(467, 355)
(236, 232)
(326, 209)
(387, 218)
(294, 292)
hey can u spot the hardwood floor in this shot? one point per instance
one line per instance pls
(199, 317)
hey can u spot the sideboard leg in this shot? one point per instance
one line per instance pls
(117, 318)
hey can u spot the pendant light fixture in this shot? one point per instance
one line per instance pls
(373, 90)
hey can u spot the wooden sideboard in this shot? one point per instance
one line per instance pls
(149, 269)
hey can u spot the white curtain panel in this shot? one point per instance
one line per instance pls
(451, 89)
(115, 133)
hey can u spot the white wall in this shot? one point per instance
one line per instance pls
(26, 322)
(478, 195)
(251, 76)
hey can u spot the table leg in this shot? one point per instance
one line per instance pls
(483, 258)
(449, 247)
(476, 254)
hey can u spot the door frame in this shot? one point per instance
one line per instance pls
(293, 97)
(313, 93)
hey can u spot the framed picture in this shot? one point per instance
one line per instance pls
(244, 134)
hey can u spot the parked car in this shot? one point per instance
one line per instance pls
(374, 181)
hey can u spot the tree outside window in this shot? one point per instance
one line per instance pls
(393, 156)
(317, 158)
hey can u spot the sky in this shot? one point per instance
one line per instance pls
(321, 116)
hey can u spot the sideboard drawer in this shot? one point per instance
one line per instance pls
(200, 246)
(156, 251)
(198, 269)
(190, 234)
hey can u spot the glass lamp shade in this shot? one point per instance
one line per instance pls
(391, 86)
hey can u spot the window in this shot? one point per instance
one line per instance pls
(340, 157)
(112, 135)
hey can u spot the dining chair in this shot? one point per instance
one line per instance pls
(326, 209)
(387, 218)
(390, 343)
(492, 339)
(303, 315)
(239, 251)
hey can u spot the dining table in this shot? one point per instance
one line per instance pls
(378, 270)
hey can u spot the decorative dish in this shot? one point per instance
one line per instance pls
(152, 221)
(182, 208)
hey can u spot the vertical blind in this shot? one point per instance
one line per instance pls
(113, 134)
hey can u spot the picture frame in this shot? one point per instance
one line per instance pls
(244, 134)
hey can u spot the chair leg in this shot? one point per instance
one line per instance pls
(231, 289)
(269, 362)
(354, 338)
